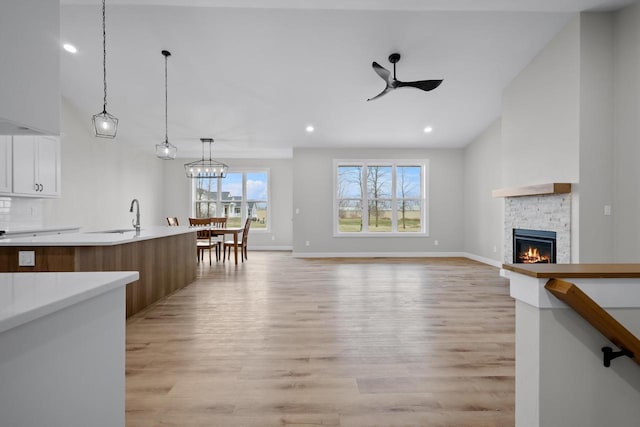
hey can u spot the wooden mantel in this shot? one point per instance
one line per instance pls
(533, 190)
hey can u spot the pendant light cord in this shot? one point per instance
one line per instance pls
(166, 100)
(104, 55)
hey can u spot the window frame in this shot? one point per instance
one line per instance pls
(244, 202)
(395, 200)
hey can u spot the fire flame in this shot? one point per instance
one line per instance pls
(532, 256)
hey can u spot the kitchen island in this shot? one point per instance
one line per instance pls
(164, 256)
(62, 349)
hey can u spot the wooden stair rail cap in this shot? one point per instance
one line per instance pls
(595, 315)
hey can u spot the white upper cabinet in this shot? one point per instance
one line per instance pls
(36, 166)
(30, 67)
(5, 164)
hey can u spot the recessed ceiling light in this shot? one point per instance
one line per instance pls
(69, 48)
(428, 129)
(309, 129)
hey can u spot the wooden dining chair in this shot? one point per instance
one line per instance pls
(218, 239)
(204, 239)
(172, 221)
(242, 245)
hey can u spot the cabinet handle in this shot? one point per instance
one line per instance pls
(41, 187)
(35, 187)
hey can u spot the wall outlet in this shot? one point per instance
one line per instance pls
(307, 243)
(26, 258)
(607, 210)
(436, 243)
(495, 249)
(297, 211)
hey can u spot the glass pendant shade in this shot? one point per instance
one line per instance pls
(105, 125)
(206, 168)
(166, 151)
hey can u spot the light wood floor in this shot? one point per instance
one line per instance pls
(280, 341)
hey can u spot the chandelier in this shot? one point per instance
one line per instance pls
(206, 168)
(166, 150)
(105, 125)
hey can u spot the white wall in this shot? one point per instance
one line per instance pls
(484, 215)
(626, 207)
(30, 63)
(595, 230)
(178, 198)
(540, 115)
(100, 177)
(559, 122)
(313, 195)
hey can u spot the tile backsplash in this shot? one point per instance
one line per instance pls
(18, 212)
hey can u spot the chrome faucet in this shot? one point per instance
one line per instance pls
(136, 222)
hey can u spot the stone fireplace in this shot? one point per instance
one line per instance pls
(543, 208)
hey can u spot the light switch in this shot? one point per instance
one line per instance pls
(607, 209)
(26, 258)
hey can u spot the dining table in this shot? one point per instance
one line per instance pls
(221, 231)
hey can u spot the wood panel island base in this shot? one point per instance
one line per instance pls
(165, 258)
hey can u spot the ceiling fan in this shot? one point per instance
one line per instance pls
(393, 83)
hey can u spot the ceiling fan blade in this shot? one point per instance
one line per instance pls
(381, 71)
(384, 92)
(426, 85)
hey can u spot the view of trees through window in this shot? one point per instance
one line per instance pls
(380, 198)
(236, 197)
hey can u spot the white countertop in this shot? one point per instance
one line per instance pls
(97, 238)
(35, 230)
(28, 296)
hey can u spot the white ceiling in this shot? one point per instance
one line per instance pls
(252, 74)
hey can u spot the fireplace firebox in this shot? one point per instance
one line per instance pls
(534, 246)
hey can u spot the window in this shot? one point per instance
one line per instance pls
(236, 197)
(380, 198)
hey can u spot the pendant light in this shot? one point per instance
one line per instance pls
(166, 150)
(208, 168)
(104, 124)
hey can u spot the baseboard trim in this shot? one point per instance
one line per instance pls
(483, 260)
(379, 254)
(270, 248)
(473, 257)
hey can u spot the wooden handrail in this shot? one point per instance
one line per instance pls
(596, 316)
